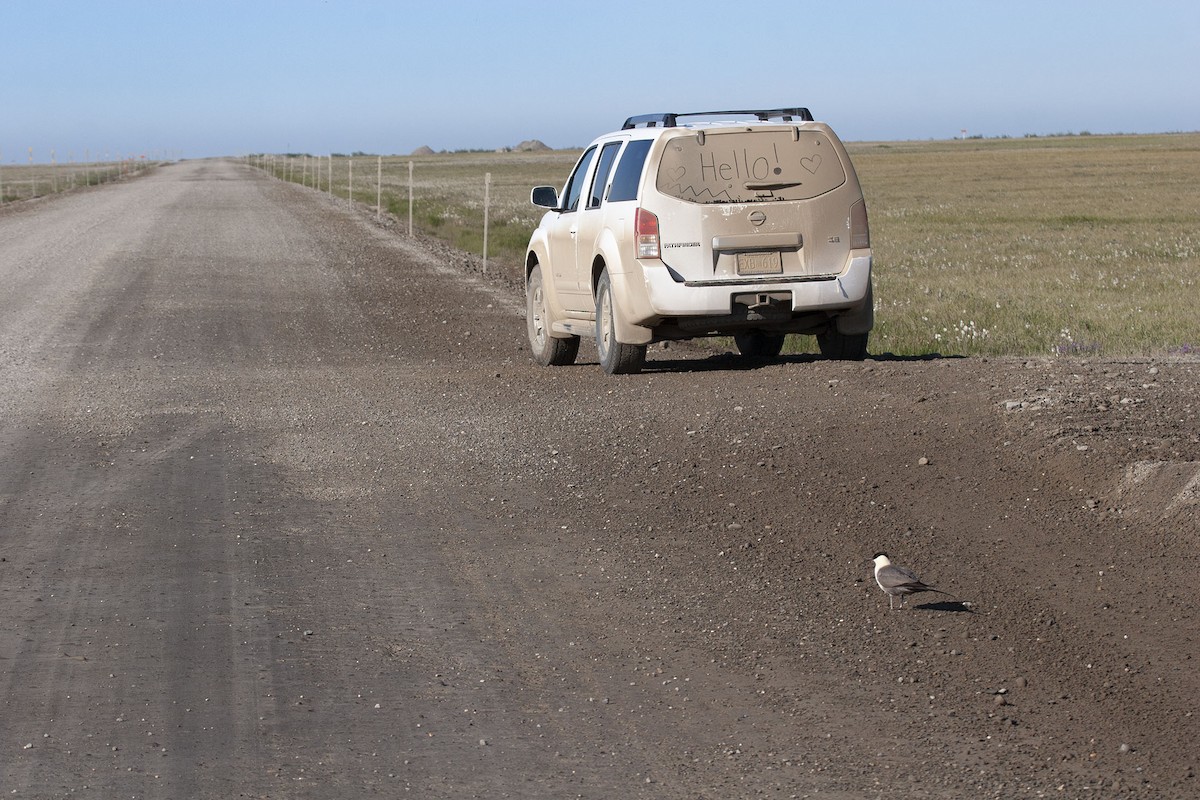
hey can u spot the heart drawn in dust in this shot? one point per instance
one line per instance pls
(812, 164)
(677, 173)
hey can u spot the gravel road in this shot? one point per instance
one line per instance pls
(286, 510)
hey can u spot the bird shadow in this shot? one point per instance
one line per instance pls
(950, 606)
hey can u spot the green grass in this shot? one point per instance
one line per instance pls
(1073, 246)
(1070, 246)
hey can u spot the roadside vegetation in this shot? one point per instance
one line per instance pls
(1070, 246)
(29, 181)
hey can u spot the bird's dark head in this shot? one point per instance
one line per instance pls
(877, 555)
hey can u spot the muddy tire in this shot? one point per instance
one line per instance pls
(843, 346)
(549, 351)
(617, 358)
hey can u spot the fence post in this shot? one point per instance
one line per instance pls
(410, 197)
(1, 177)
(379, 189)
(487, 191)
(331, 174)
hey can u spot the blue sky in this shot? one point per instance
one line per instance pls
(191, 79)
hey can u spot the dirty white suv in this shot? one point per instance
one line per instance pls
(746, 223)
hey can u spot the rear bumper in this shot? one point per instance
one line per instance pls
(670, 298)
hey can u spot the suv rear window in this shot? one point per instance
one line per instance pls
(629, 171)
(742, 166)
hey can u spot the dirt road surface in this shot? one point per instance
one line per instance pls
(287, 511)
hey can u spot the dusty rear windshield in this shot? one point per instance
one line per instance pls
(743, 166)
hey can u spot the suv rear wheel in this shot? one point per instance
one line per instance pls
(843, 346)
(547, 350)
(617, 358)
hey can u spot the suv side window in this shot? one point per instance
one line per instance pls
(575, 184)
(629, 171)
(607, 156)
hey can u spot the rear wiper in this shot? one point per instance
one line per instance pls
(763, 186)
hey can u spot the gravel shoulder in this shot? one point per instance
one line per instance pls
(287, 510)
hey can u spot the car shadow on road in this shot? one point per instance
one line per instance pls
(920, 357)
(733, 362)
(722, 362)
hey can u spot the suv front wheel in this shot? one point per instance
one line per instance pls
(547, 350)
(617, 358)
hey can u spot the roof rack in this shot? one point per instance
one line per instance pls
(671, 120)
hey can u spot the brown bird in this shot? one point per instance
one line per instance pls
(898, 581)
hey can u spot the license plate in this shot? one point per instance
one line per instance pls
(768, 263)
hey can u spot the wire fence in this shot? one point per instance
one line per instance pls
(20, 182)
(317, 172)
(476, 201)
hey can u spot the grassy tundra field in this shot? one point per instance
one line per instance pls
(1073, 245)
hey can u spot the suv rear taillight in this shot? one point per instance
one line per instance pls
(860, 234)
(645, 227)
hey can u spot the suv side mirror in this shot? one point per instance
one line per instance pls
(544, 196)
